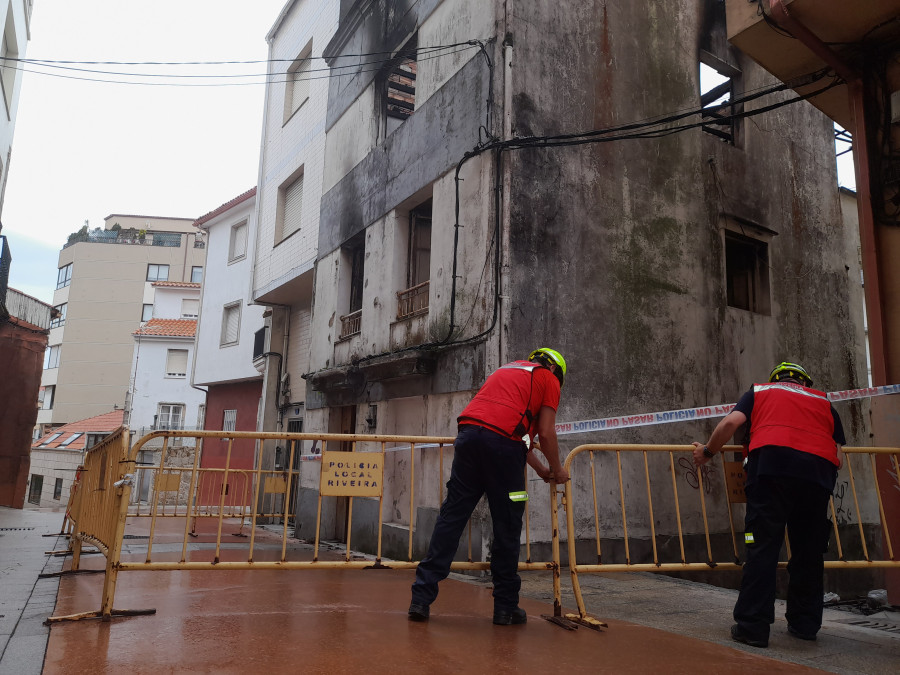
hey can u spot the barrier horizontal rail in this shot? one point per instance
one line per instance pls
(176, 491)
(699, 478)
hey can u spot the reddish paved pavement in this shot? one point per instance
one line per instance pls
(347, 621)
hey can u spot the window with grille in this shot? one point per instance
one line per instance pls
(237, 246)
(64, 276)
(296, 85)
(355, 255)
(170, 416)
(290, 208)
(157, 272)
(60, 318)
(231, 324)
(229, 420)
(176, 362)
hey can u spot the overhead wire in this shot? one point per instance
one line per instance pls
(265, 78)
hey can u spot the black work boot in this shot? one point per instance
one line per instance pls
(417, 612)
(510, 617)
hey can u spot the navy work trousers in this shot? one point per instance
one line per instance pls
(774, 502)
(484, 462)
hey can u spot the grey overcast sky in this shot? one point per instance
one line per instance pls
(84, 150)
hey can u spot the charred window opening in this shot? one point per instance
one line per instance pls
(400, 89)
(747, 273)
(414, 299)
(354, 255)
(718, 89)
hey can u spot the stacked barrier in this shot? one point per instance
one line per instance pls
(352, 467)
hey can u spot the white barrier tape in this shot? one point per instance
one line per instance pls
(703, 412)
(666, 417)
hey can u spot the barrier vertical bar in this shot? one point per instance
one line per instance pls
(596, 508)
(677, 506)
(319, 512)
(381, 504)
(527, 524)
(192, 498)
(650, 505)
(862, 534)
(554, 546)
(734, 546)
(349, 526)
(256, 490)
(570, 540)
(159, 473)
(412, 494)
(837, 535)
(884, 523)
(114, 550)
(222, 499)
(287, 500)
(702, 489)
(624, 516)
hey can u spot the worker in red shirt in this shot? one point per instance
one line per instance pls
(795, 453)
(489, 457)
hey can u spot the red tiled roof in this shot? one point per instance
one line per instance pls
(168, 328)
(227, 205)
(105, 423)
(176, 284)
(134, 215)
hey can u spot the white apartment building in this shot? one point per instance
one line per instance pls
(15, 16)
(231, 332)
(104, 290)
(161, 395)
(288, 196)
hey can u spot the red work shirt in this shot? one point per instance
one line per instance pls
(793, 416)
(511, 398)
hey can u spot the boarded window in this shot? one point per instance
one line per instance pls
(176, 362)
(400, 90)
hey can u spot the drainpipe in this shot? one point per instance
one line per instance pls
(871, 276)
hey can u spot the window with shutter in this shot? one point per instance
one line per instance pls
(290, 203)
(190, 309)
(176, 362)
(231, 322)
(237, 248)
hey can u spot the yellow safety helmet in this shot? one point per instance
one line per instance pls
(554, 357)
(794, 371)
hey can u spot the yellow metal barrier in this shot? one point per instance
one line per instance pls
(192, 492)
(700, 509)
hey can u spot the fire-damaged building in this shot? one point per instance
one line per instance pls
(611, 180)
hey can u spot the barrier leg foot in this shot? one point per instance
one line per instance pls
(66, 573)
(588, 621)
(97, 615)
(561, 622)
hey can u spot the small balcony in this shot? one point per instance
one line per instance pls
(350, 324)
(413, 301)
